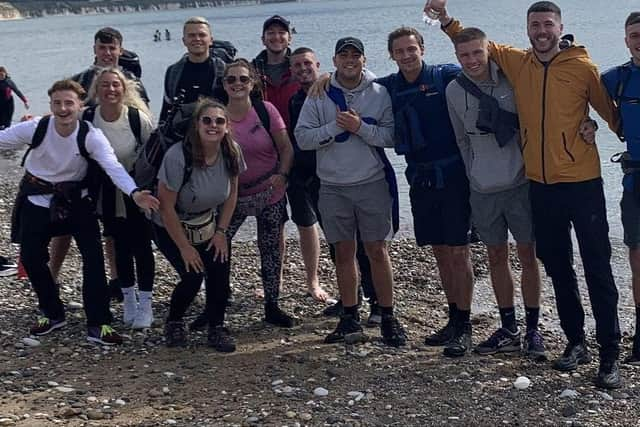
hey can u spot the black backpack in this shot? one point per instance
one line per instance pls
(223, 49)
(133, 114)
(130, 61)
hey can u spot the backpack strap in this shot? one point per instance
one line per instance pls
(38, 136)
(624, 74)
(133, 114)
(83, 131)
(469, 86)
(263, 115)
(188, 164)
(89, 113)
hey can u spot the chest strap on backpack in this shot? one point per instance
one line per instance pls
(627, 164)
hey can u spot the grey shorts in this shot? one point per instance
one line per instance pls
(364, 207)
(630, 211)
(497, 213)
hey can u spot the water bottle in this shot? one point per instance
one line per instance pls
(430, 15)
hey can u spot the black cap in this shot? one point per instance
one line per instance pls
(276, 19)
(349, 42)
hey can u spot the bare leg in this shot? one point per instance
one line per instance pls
(461, 276)
(530, 275)
(110, 255)
(381, 271)
(501, 278)
(310, 249)
(58, 249)
(441, 253)
(346, 272)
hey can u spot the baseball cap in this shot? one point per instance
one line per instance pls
(349, 42)
(276, 19)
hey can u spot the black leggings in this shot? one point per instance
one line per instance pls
(6, 113)
(216, 279)
(132, 240)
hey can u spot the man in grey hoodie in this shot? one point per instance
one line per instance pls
(348, 128)
(499, 190)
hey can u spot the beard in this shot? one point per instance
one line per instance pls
(551, 44)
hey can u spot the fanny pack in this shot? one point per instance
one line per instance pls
(254, 204)
(201, 228)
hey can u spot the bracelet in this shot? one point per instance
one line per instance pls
(283, 174)
(221, 230)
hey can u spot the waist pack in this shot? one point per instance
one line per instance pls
(200, 229)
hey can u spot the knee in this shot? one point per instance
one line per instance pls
(498, 255)
(345, 252)
(376, 252)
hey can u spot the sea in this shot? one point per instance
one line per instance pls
(40, 51)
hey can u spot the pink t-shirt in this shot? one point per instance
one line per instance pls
(259, 152)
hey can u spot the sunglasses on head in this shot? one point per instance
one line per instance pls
(232, 79)
(208, 121)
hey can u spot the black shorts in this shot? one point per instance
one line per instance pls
(302, 193)
(441, 216)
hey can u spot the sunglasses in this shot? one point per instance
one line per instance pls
(208, 121)
(232, 79)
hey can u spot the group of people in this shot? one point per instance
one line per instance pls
(503, 140)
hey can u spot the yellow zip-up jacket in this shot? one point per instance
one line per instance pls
(552, 101)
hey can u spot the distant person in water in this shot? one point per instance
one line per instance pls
(167, 34)
(7, 87)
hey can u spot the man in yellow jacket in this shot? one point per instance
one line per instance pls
(554, 83)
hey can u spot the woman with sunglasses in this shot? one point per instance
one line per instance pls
(261, 189)
(196, 205)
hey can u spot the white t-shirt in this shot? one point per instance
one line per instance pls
(124, 144)
(58, 159)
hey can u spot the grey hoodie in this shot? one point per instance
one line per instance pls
(354, 161)
(490, 168)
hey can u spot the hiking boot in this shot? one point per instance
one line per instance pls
(103, 334)
(460, 343)
(220, 339)
(175, 334)
(392, 332)
(200, 322)
(534, 346)
(44, 325)
(442, 336)
(501, 341)
(375, 316)
(608, 375)
(334, 310)
(348, 329)
(634, 357)
(115, 290)
(275, 316)
(573, 355)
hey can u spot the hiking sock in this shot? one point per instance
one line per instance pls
(453, 310)
(463, 317)
(351, 310)
(532, 315)
(386, 311)
(508, 318)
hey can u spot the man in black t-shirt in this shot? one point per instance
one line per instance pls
(197, 73)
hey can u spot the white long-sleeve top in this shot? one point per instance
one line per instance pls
(58, 159)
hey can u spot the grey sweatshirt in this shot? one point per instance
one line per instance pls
(490, 168)
(354, 161)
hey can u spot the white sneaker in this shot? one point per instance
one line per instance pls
(129, 305)
(144, 314)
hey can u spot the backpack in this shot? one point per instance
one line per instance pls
(130, 61)
(223, 49)
(133, 114)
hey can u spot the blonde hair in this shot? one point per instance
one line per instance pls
(131, 96)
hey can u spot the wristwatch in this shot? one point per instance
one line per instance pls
(221, 230)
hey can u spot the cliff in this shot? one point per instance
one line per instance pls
(35, 8)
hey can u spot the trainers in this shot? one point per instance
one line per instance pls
(5, 262)
(348, 329)
(392, 332)
(44, 325)
(334, 310)
(501, 341)
(534, 345)
(175, 334)
(441, 337)
(275, 316)
(375, 316)
(460, 343)
(8, 269)
(608, 375)
(573, 355)
(103, 334)
(634, 357)
(200, 322)
(220, 339)
(115, 290)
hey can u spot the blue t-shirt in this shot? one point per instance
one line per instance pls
(629, 108)
(427, 97)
